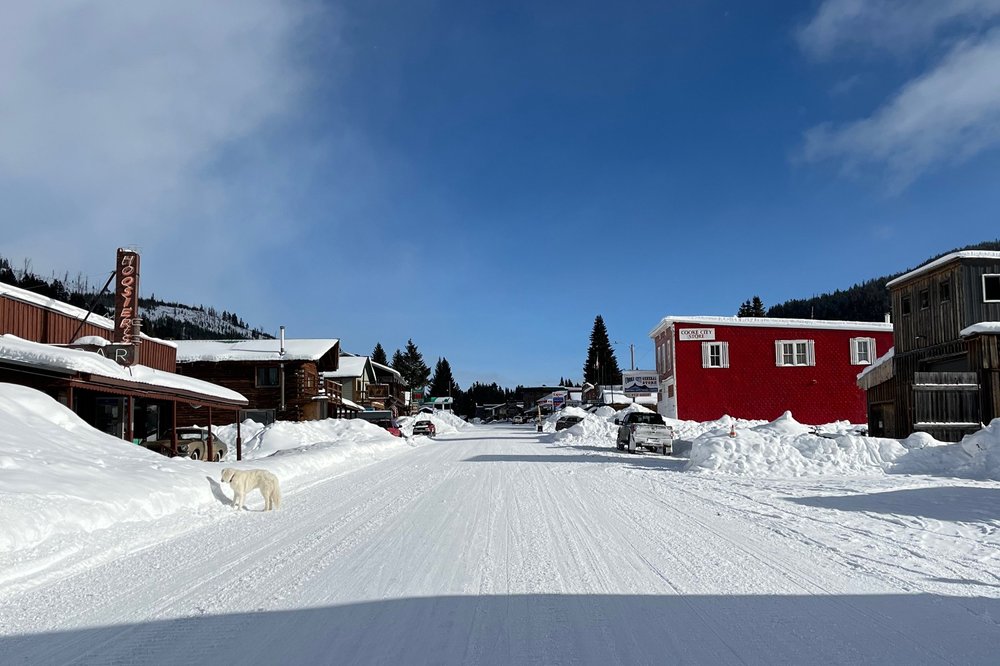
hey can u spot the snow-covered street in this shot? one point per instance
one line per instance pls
(502, 545)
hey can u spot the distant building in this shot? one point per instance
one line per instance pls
(943, 376)
(758, 367)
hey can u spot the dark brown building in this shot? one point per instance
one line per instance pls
(945, 366)
(280, 383)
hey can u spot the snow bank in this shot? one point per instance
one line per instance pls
(58, 475)
(444, 422)
(787, 448)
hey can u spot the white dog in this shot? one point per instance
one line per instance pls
(243, 481)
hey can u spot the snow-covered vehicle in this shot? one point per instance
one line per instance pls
(644, 430)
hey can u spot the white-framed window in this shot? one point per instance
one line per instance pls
(991, 288)
(715, 354)
(862, 351)
(794, 352)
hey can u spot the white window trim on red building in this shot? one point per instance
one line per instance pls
(802, 353)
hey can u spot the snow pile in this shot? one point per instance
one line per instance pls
(786, 448)
(444, 422)
(260, 442)
(58, 475)
(977, 456)
(594, 428)
(691, 430)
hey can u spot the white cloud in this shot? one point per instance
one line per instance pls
(946, 115)
(889, 25)
(114, 118)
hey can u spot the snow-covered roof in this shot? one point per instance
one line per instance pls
(65, 308)
(983, 327)
(218, 351)
(351, 404)
(877, 372)
(941, 261)
(772, 322)
(35, 354)
(350, 366)
(386, 368)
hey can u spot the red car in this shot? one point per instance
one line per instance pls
(424, 428)
(383, 419)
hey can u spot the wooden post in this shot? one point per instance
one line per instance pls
(173, 428)
(208, 454)
(239, 438)
(129, 406)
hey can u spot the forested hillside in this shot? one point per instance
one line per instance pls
(867, 301)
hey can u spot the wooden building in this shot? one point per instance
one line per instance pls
(281, 379)
(58, 349)
(41, 319)
(944, 373)
(389, 389)
(760, 367)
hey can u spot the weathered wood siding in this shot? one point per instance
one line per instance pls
(38, 324)
(984, 358)
(301, 386)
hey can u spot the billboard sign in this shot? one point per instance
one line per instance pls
(639, 381)
(127, 298)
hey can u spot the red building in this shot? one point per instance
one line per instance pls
(757, 368)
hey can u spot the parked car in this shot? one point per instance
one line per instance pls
(382, 418)
(644, 430)
(424, 428)
(192, 442)
(567, 422)
(517, 419)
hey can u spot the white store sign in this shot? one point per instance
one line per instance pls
(696, 333)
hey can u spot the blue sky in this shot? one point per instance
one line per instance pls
(485, 178)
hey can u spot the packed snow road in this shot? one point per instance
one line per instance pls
(499, 545)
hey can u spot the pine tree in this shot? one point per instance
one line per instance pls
(443, 383)
(752, 308)
(378, 354)
(601, 366)
(410, 364)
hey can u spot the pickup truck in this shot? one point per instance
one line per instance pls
(644, 430)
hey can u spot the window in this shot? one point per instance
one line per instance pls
(944, 291)
(862, 351)
(991, 288)
(925, 298)
(794, 352)
(267, 376)
(906, 305)
(715, 354)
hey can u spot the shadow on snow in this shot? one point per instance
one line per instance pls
(952, 503)
(551, 629)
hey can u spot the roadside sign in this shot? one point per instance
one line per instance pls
(639, 381)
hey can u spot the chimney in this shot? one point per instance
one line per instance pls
(888, 317)
(281, 352)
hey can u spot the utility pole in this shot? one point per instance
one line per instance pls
(631, 349)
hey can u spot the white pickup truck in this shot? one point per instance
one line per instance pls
(644, 430)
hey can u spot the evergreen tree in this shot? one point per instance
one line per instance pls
(378, 354)
(410, 364)
(601, 366)
(443, 383)
(752, 308)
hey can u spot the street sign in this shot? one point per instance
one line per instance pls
(639, 381)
